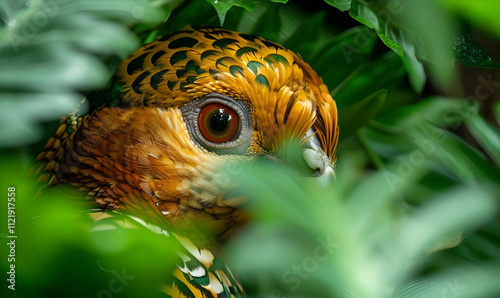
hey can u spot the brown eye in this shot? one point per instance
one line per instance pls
(218, 123)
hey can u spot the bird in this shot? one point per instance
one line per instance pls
(187, 103)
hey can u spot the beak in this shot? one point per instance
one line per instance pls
(316, 159)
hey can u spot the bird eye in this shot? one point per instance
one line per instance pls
(218, 123)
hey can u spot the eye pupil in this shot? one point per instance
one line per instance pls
(218, 123)
(220, 120)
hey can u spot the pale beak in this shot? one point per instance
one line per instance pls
(316, 159)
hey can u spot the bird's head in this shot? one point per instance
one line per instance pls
(195, 100)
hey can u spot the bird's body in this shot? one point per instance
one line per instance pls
(192, 101)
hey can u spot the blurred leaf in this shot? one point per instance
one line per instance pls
(304, 39)
(361, 223)
(486, 135)
(496, 111)
(446, 214)
(362, 111)
(465, 280)
(53, 234)
(21, 113)
(415, 69)
(52, 68)
(483, 13)
(79, 31)
(58, 48)
(430, 41)
(269, 23)
(222, 6)
(126, 12)
(465, 162)
(437, 110)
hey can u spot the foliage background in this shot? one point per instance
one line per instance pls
(417, 86)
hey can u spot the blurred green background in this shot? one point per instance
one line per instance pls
(414, 210)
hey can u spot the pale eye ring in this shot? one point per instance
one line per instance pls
(219, 123)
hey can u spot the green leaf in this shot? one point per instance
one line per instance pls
(415, 69)
(465, 162)
(50, 68)
(21, 112)
(342, 5)
(363, 111)
(222, 7)
(360, 84)
(496, 111)
(127, 12)
(470, 53)
(393, 35)
(193, 13)
(437, 110)
(486, 135)
(304, 40)
(54, 49)
(269, 24)
(366, 16)
(429, 41)
(343, 55)
(463, 280)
